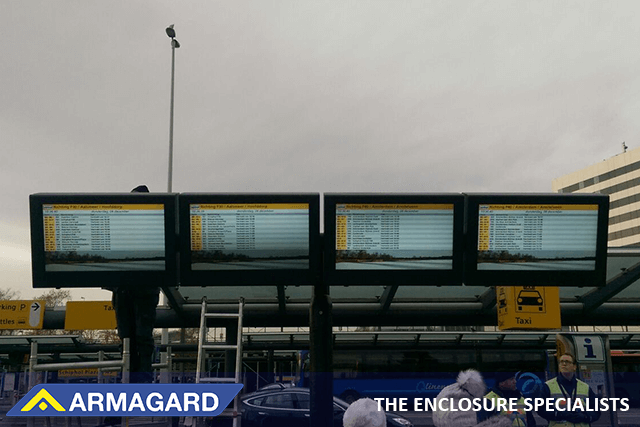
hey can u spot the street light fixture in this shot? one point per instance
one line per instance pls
(174, 45)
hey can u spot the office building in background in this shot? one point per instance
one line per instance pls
(619, 177)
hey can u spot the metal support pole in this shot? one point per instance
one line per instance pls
(238, 366)
(257, 375)
(126, 368)
(173, 68)
(236, 400)
(321, 361)
(270, 367)
(165, 366)
(126, 361)
(100, 373)
(229, 355)
(321, 355)
(200, 368)
(33, 361)
(164, 338)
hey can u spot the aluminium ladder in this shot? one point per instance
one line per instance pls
(204, 345)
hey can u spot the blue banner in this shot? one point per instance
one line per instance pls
(131, 400)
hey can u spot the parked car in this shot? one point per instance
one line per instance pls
(289, 407)
(275, 386)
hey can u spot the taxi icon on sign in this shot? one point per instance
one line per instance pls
(530, 299)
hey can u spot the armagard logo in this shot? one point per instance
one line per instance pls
(132, 400)
(41, 399)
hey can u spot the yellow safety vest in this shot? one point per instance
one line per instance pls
(582, 393)
(518, 417)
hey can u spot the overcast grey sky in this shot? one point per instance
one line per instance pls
(321, 96)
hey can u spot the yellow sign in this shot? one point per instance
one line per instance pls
(89, 315)
(21, 314)
(84, 373)
(528, 307)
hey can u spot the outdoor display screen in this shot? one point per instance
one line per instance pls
(107, 237)
(514, 237)
(393, 238)
(103, 240)
(239, 236)
(528, 235)
(249, 238)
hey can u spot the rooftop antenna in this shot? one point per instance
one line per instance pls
(624, 147)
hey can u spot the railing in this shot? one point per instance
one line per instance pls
(123, 364)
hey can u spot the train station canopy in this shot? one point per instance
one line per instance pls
(617, 303)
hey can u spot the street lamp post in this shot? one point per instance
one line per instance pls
(174, 45)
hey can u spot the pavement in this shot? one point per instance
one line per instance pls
(83, 422)
(629, 418)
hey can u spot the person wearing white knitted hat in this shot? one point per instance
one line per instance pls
(469, 385)
(364, 413)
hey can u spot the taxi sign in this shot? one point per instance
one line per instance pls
(528, 307)
(89, 315)
(21, 314)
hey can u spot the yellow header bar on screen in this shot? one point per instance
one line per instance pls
(83, 207)
(539, 207)
(422, 206)
(248, 206)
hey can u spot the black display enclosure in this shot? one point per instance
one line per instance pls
(103, 240)
(249, 239)
(393, 239)
(536, 239)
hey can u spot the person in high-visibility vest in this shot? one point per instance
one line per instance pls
(505, 388)
(566, 386)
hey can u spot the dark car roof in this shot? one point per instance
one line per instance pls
(275, 386)
(270, 390)
(265, 392)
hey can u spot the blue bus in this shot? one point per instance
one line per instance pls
(424, 373)
(421, 373)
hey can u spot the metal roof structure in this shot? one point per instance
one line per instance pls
(430, 340)
(71, 348)
(56, 347)
(617, 303)
(26, 340)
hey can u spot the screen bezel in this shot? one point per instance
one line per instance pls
(452, 277)
(578, 278)
(102, 279)
(189, 277)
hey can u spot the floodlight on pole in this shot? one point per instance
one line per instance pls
(174, 45)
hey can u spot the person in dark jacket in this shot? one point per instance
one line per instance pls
(505, 388)
(565, 386)
(135, 317)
